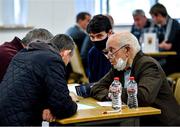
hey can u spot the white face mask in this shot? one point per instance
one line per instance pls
(121, 64)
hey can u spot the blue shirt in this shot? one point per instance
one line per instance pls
(98, 65)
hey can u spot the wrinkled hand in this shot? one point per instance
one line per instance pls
(74, 97)
(47, 116)
(165, 45)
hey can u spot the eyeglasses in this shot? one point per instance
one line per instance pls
(108, 53)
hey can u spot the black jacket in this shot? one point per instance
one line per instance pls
(153, 89)
(35, 80)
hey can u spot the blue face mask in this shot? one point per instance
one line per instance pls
(100, 45)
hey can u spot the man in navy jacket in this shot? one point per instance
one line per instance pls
(99, 29)
(34, 81)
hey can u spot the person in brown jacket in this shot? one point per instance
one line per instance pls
(123, 51)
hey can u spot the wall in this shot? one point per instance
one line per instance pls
(0, 11)
(54, 15)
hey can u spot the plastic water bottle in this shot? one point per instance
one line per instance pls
(115, 91)
(45, 124)
(132, 90)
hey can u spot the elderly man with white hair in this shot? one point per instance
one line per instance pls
(123, 51)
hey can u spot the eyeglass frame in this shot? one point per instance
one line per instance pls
(106, 51)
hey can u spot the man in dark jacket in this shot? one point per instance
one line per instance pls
(168, 35)
(79, 35)
(78, 31)
(99, 29)
(124, 53)
(141, 23)
(9, 49)
(34, 81)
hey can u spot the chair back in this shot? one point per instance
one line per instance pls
(77, 66)
(172, 78)
(177, 91)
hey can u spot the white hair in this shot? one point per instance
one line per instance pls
(126, 38)
(131, 40)
(138, 12)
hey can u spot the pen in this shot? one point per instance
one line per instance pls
(111, 111)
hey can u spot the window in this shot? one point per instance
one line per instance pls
(121, 10)
(173, 7)
(14, 12)
(84, 5)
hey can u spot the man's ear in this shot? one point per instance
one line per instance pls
(110, 32)
(128, 50)
(65, 53)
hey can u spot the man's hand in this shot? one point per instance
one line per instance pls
(165, 45)
(47, 116)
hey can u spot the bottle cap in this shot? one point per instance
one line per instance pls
(131, 78)
(116, 78)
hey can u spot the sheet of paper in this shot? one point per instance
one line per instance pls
(71, 88)
(150, 43)
(108, 103)
(83, 106)
(105, 103)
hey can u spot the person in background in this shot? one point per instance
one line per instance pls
(99, 29)
(110, 19)
(80, 37)
(35, 83)
(141, 23)
(123, 51)
(168, 30)
(9, 49)
(78, 31)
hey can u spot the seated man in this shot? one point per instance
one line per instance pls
(99, 29)
(123, 51)
(34, 81)
(78, 31)
(168, 30)
(140, 23)
(9, 49)
(80, 37)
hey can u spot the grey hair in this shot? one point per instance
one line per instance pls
(138, 12)
(62, 42)
(129, 39)
(36, 34)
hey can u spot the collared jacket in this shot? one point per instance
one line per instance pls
(35, 80)
(7, 51)
(153, 88)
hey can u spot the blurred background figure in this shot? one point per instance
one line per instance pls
(141, 22)
(167, 27)
(168, 35)
(80, 37)
(78, 31)
(110, 19)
